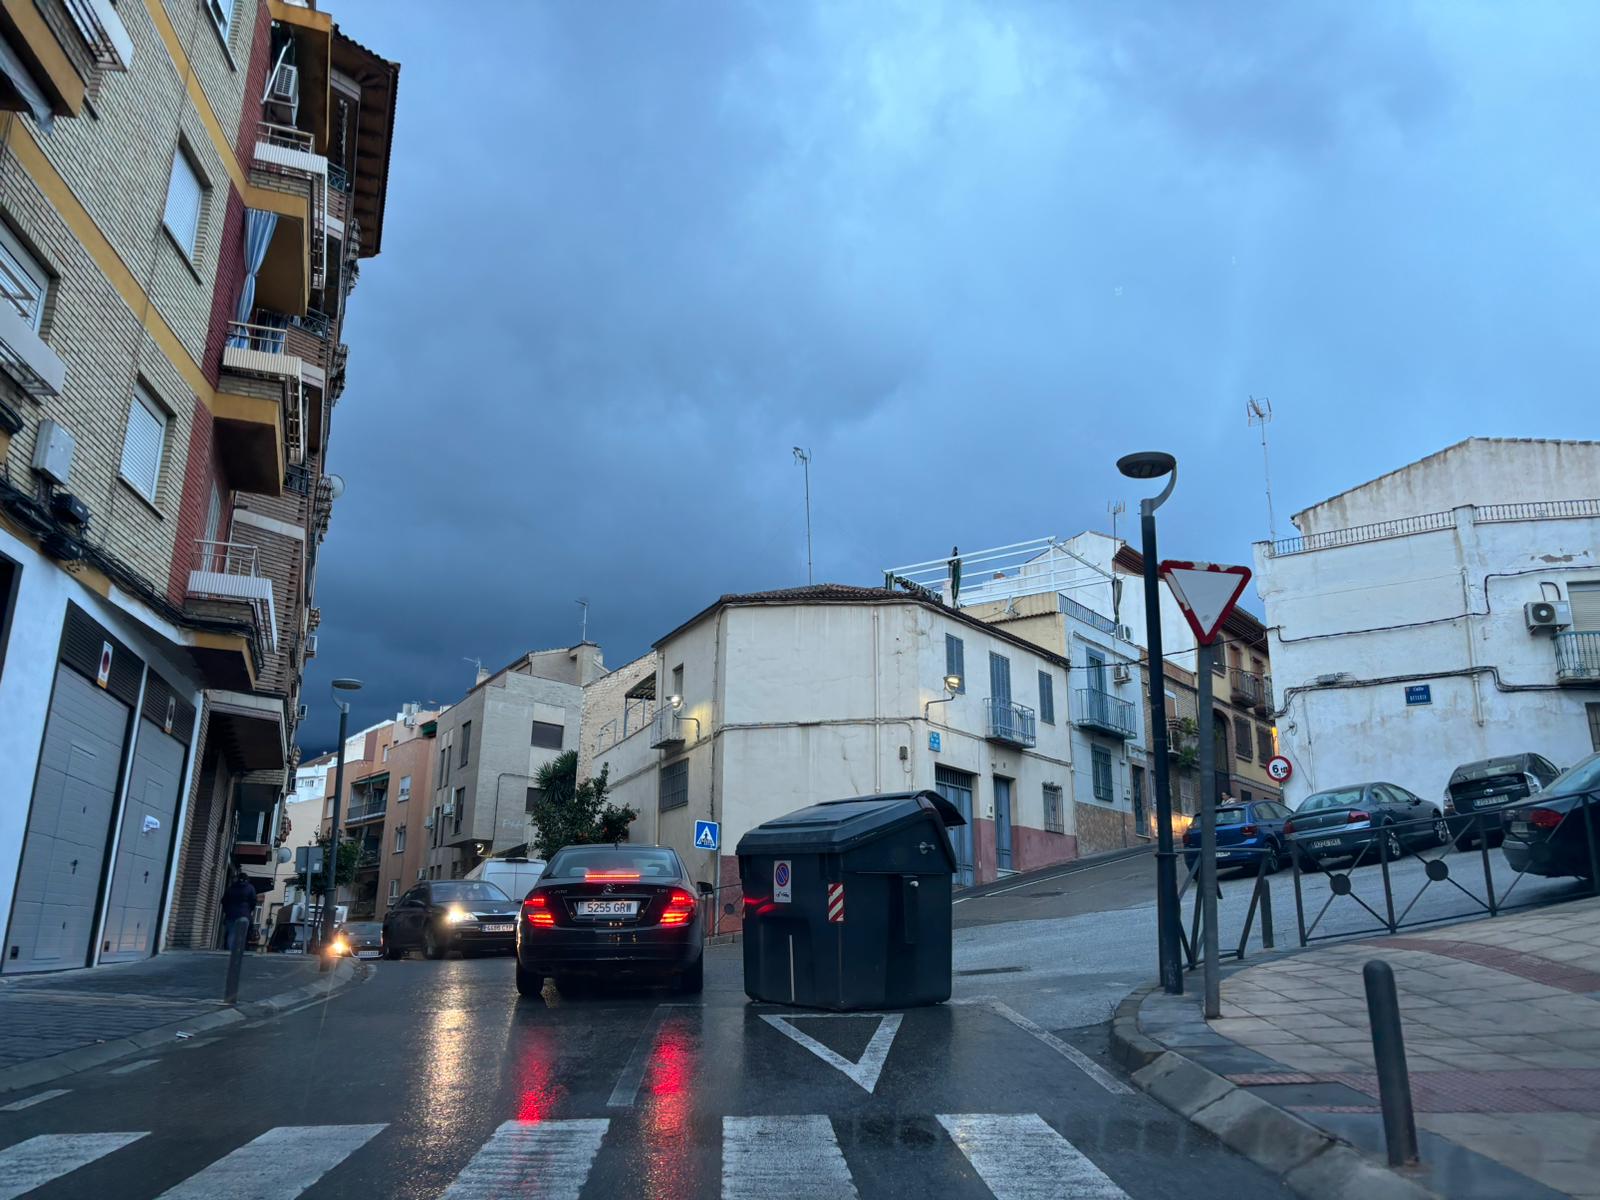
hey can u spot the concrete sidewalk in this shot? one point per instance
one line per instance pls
(54, 1024)
(1502, 1028)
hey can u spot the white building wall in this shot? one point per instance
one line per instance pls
(1441, 608)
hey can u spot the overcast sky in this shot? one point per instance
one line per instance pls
(967, 253)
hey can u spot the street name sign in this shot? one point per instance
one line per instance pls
(1206, 592)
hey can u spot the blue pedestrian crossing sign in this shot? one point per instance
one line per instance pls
(707, 835)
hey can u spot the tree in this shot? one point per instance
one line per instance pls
(570, 813)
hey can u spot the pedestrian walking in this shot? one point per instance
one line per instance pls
(238, 901)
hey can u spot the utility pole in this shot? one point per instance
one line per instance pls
(330, 862)
(803, 457)
(1208, 831)
(1258, 412)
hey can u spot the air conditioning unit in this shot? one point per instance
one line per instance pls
(449, 810)
(1546, 614)
(311, 645)
(300, 713)
(1121, 673)
(1125, 632)
(428, 823)
(285, 85)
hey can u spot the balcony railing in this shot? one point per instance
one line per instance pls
(367, 860)
(1010, 723)
(261, 349)
(1264, 700)
(1578, 657)
(231, 571)
(282, 150)
(666, 729)
(366, 810)
(1181, 736)
(1244, 686)
(1101, 711)
(1405, 527)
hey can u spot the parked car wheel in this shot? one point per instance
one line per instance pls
(1274, 860)
(432, 947)
(390, 950)
(1392, 845)
(529, 983)
(1441, 831)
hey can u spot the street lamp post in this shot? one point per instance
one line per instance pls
(1153, 464)
(330, 860)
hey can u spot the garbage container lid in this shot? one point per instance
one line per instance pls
(835, 825)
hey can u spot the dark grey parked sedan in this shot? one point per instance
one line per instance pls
(1348, 822)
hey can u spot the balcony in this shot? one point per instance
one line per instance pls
(230, 573)
(59, 49)
(368, 810)
(24, 356)
(1183, 738)
(1578, 657)
(261, 351)
(286, 160)
(369, 858)
(1244, 687)
(1264, 700)
(1103, 713)
(666, 729)
(252, 838)
(1013, 724)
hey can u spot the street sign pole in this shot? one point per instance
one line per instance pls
(1168, 920)
(1208, 831)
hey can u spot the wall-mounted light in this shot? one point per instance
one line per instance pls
(676, 701)
(952, 683)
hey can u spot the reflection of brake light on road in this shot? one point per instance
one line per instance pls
(602, 876)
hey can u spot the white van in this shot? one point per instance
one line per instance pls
(513, 876)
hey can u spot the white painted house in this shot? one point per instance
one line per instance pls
(1445, 612)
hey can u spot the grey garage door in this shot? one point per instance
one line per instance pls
(58, 887)
(142, 847)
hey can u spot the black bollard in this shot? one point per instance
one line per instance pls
(1389, 1053)
(241, 934)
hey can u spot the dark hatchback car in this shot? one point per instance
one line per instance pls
(1246, 833)
(612, 913)
(1548, 835)
(358, 939)
(1364, 822)
(442, 915)
(1479, 790)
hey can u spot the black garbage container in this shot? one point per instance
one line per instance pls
(847, 903)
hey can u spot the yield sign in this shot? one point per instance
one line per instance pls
(1206, 592)
(865, 1070)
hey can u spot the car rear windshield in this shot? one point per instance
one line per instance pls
(1585, 777)
(363, 929)
(580, 861)
(468, 892)
(1338, 798)
(1490, 768)
(1230, 816)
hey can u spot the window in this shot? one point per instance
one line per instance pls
(466, 742)
(1095, 665)
(674, 791)
(1594, 724)
(1263, 743)
(955, 659)
(1242, 743)
(184, 196)
(461, 805)
(394, 890)
(404, 793)
(1047, 698)
(1138, 800)
(534, 796)
(444, 764)
(221, 15)
(1245, 797)
(422, 872)
(547, 735)
(1585, 601)
(677, 681)
(1000, 678)
(1218, 666)
(142, 446)
(1102, 775)
(1053, 820)
(438, 824)
(386, 754)
(22, 280)
(400, 839)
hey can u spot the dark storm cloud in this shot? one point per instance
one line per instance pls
(967, 253)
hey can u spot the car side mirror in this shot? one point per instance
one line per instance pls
(705, 888)
(1415, 800)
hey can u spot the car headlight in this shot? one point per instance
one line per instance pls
(340, 946)
(457, 916)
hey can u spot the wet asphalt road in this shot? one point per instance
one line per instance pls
(397, 1087)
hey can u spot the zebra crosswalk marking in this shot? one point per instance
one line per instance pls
(278, 1165)
(1020, 1157)
(538, 1160)
(797, 1158)
(49, 1156)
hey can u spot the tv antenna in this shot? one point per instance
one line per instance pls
(1116, 508)
(583, 603)
(1258, 412)
(803, 457)
(477, 662)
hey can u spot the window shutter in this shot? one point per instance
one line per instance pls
(213, 514)
(1585, 601)
(22, 280)
(183, 202)
(141, 449)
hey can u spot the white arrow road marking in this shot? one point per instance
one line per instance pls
(536, 1160)
(1077, 1057)
(19, 1105)
(278, 1165)
(797, 1158)
(38, 1160)
(1019, 1157)
(865, 1070)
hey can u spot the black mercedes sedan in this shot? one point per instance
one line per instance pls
(1364, 822)
(612, 913)
(441, 915)
(1549, 834)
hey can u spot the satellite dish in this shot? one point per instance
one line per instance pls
(335, 486)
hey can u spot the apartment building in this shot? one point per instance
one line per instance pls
(186, 189)
(385, 809)
(490, 747)
(1444, 612)
(772, 701)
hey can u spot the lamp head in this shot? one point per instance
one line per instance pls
(952, 683)
(347, 685)
(1147, 464)
(676, 701)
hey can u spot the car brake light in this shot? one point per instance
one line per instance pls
(1249, 831)
(603, 876)
(1357, 815)
(680, 908)
(537, 909)
(1544, 818)
(1288, 828)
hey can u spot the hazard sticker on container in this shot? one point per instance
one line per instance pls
(836, 903)
(782, 884)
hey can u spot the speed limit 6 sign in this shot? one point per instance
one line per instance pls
(1279, 767)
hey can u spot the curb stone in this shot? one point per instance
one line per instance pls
(84, 1058)
(1314, 1164)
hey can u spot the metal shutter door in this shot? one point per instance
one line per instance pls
(1585, 601)
(58, 886)
(140, 870)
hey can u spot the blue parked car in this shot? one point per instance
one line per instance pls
(1245, 832)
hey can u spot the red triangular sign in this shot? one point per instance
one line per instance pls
(1206, 592)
